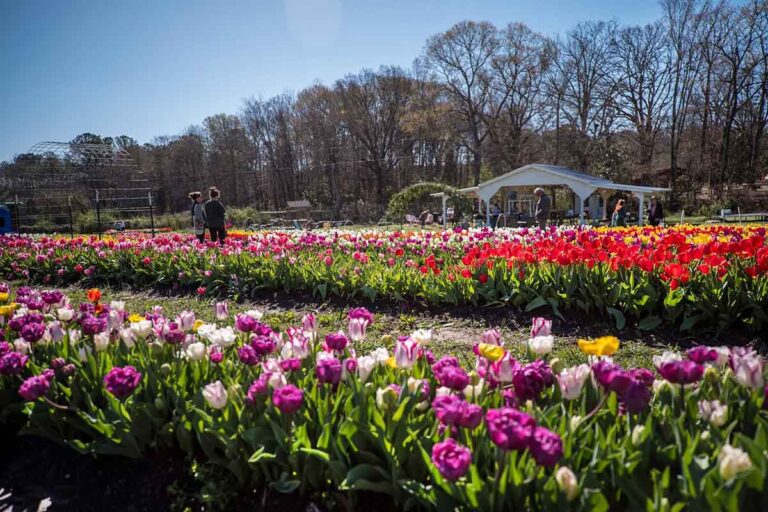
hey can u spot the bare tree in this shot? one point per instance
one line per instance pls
(373, 105)
(641, 75)
(586, 89)
(460, 61)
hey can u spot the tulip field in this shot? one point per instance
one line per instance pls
(299, 412)
(689, 277)
(355, 413)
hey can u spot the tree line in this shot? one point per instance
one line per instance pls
(687, 93)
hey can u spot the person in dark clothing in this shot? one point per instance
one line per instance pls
(198, 215)
(215, 217)
(619, 216)
(542, 208)
(655, 212)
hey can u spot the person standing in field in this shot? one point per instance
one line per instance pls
(198, 215)
(619, 214)
(655, 212)
(542, 208)
(215, 216)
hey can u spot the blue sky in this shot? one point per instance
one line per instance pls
(147, 68)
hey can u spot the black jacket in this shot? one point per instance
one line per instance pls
(214, 214)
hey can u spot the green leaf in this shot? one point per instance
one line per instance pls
(618, 317)
(536, 303)
(649, 323)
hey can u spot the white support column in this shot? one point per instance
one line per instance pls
(445, 211)
(580, 206)
(487, 214)
(640, 199)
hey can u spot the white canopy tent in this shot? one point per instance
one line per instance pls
(540, 175)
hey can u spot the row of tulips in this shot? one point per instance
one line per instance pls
(305, 412)
(692, 277)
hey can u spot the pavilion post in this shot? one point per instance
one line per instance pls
(580, 205)
(445, 211)
(640, 200)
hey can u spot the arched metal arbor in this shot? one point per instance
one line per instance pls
(79, 153)
(60, 180)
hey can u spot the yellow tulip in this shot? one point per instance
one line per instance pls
(604, 346)
(198, 323)
(4, 297)
(491, 352)
(391, 362)
(135, 318)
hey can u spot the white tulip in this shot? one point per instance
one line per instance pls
(572, 381)
(715, 412)
(733, 461)
(65, 314)
(541, 345)
(215, 394)
(196, 351)
(380, 355)
(365, 365)
(255, 314)
(422, 336)
(567, 482)
(21, 346)
(117, 305)
(141, 329)
(129, 339)
(101, 341)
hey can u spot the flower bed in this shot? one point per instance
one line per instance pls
(299, 412)
(690, 277)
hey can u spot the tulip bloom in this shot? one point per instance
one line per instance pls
(605, 346)
(572, 381)
(406, 352)
(451, 459)
(216, 395)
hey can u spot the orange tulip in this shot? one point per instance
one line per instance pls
(94, 295)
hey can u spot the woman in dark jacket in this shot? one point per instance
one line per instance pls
(215, 216)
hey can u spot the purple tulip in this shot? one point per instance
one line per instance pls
(471, 416)
(248, 355)
(449, 409)
(702, 354)
(288, 399)
(452, 377)
(35, 387)
(263, 345)
(215, 355)
(121, 382)
(636, 398)
(530, 380)
(12, 363)
(328, 371)
(290, 365)
(259, 387)
(681, 372)
(361, 313)
(33, 332)
(52, 297)
(451, 459)
(510, 429)
(546, 447)
(92, 325)
(245, 323)
(222, 311)
(5, 347)
(336, 341)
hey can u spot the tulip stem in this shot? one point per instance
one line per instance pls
(59, 406)
(597, 408)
